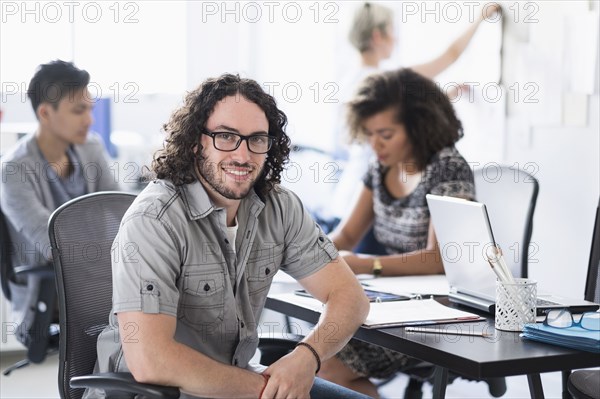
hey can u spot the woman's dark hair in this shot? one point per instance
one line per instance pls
(424, 110)
(176, 160)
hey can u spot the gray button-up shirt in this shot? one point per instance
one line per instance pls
(172, 256)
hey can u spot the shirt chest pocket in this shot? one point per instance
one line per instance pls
(261, 272)
(203, 297)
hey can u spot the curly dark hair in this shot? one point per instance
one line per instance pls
(424, 110)
(176, 160)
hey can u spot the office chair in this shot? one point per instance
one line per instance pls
(510, 196)
(81, 234)
(31, 291)
(585, 384)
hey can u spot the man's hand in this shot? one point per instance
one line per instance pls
(292, 376)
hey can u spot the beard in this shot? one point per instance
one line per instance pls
(224, 185)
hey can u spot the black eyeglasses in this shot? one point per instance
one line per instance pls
(563, 318)
(228, 141)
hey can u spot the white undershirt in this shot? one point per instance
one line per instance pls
(232, 233)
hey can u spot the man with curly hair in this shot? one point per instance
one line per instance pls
(197, 251)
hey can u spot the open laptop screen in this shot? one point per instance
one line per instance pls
(464, 235)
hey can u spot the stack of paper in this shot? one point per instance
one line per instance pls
(396, 313)
(424, 285)
(414, 312)
(572, 337)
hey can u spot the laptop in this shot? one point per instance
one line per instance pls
(464, 234)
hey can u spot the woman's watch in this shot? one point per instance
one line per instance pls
(377, 267)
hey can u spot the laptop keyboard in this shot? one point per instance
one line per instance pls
(543, 302)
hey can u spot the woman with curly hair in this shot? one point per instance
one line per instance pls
(197, 251)
(412, 128)
(372, 35)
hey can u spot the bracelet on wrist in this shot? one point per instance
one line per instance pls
(314, 352)
(377, 267)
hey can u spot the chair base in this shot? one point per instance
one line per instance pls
(18, 365)
(496, 386)
(584, 384)
(414, 389)
(26, 362)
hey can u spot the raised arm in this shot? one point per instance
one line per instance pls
(436, 66)
(153, 356)
(345, 309)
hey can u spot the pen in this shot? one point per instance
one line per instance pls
(506, 270)
(498, 265)
(498, 272)
(446, 332)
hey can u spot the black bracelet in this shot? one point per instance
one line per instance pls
(314, 352)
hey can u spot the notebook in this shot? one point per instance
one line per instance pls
(464, 233)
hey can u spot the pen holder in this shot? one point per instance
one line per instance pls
(515, 304)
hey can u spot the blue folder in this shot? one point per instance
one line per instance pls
(572, 337)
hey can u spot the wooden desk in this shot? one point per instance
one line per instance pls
(504, 354)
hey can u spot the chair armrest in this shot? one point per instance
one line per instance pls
(281, 344)
(273, 346)
(282, 340)
(42, 270)
(123, 382)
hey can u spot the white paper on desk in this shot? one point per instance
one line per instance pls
(396, 313)
(424, 285)
(415, 312)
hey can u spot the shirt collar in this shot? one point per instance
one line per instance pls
(198, 204)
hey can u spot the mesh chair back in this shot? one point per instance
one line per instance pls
(592, 284)
(81, 234)
(510, 196)
(6, 269)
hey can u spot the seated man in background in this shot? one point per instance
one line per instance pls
(209, 235)
(61, 160)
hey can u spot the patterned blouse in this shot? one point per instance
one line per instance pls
(402, 224)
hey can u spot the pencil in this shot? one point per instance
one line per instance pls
(446, 332)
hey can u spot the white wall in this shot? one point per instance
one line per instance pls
(561, 143)
(545, 52)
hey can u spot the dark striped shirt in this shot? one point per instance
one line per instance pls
(402, 224)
